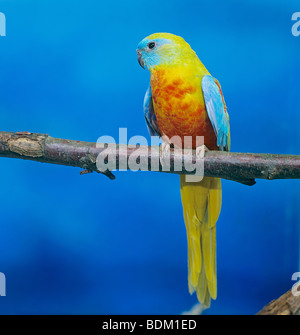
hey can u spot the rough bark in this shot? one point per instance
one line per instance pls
(287, 304)
(240, 167)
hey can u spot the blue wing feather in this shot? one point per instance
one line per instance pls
(150, 114)
(216, 111)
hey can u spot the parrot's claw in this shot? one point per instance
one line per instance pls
(200, 151)
(164, 156)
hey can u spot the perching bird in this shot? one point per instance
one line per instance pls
(183, 99)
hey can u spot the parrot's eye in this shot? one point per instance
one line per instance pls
(151, 45)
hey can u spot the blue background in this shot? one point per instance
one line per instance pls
(72, 244)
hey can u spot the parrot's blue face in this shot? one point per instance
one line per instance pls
(155, 51)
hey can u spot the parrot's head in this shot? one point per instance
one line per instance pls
(162, 49)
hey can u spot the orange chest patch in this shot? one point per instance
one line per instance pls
(180, 108)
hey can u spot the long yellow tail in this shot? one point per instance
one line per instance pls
(201, 203)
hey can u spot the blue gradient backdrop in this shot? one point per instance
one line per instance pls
(72, 244)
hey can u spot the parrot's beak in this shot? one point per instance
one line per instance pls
(140, 59)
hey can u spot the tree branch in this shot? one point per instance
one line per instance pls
(287, 304)
(240, 167)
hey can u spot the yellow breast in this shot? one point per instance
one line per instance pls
(179, 103)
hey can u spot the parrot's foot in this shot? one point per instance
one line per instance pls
(200, 153)
(201, 150)
(164, 154)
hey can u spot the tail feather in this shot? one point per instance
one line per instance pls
(201, 207)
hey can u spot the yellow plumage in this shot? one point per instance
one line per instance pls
(181, 109)
(201, 203)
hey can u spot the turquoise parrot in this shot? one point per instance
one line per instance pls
(183, 99)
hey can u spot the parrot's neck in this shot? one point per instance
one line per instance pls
(189, 66)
